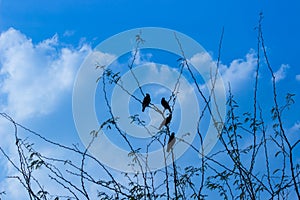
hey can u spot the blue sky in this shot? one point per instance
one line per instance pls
(46, 42)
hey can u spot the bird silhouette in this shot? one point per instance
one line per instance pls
(166, 121)
(165, 104)
(171, 142)
(146, 102)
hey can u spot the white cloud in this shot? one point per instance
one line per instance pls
(202, 59)
(68, 33)
(295, 127)
(33, 80)
(35, 76)
(280, 74)
(298, 77)
(139, 58)
(239, 72)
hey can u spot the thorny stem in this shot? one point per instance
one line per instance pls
(249, 181)
(278, 115)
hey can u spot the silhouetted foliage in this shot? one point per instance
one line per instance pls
(260, 161)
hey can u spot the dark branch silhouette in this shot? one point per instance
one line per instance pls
(252, 160)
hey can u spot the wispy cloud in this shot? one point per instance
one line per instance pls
(280, 74)
(237, 73)
(35, 76)
(68, 33)
(240, 71)
(295, 127)
(140, 58)
(33, 80)
(298, 77)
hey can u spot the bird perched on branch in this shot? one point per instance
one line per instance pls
(171, 142)
(146, 102)
(165, 104)
(166, 121)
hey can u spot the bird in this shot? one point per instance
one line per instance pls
(165, 104)
(146, 102)
(166, 121)
(171, 142)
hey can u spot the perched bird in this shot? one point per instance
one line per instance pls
(166, 121)
(165, 104)
(171, 141)
(146, 102)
